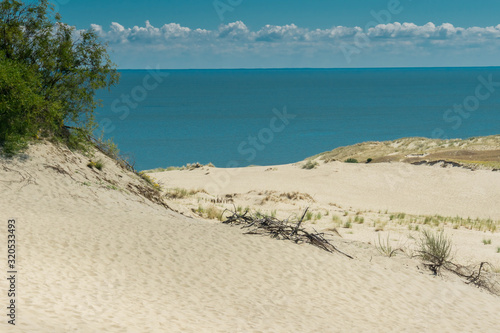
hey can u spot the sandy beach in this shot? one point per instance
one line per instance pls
(95, 255)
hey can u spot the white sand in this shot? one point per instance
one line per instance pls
(93, 259)
(396, 187)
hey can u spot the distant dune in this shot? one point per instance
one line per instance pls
(477, 152)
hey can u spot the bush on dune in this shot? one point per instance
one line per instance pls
(24, 113)
(49, 73)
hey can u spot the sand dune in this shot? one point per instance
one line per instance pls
(96, 257)
(397, 187)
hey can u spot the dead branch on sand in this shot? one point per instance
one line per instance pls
(281, 229)
(476, 275)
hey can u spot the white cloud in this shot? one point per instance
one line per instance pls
(239, 32)
(236, 40)
(236, 30)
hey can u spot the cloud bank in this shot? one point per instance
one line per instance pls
(238, 31)
(237, 40)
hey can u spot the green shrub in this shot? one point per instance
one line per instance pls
(25, 114)
(434, 248)
(486, 241)
(368, 160)
(347, 224)
(351, 160)
(49, 74)
(359, 219)
(310, 165)
(98, 164)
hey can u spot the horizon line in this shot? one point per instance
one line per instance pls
(318, 68)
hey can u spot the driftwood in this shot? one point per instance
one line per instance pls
(476, 276)
(281, 229)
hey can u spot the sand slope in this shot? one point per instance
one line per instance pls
(98, 259)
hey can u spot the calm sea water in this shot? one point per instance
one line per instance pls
(236, 117)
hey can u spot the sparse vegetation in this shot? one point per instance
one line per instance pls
(180, 193)
(213, 212)
(336, 219)
(150, 180)
(97, 164)
(347, 224)
(384, 247)
(310, 164)
(359, 219)
(351, 160)
(441, 221)
(486, 241)
(435, 249)
(412, 150)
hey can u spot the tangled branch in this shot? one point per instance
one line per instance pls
(281, 229)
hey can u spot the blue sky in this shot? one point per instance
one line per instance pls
(291, 33)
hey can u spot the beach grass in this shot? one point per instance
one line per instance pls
(384, 246)
(435, 248)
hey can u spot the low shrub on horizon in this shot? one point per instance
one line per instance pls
(310, 165)
(351, 160)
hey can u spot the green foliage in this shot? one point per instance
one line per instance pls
(359, 219)
(347, 224)
(96, 164)
(310, 165)
(351, 160)
(486, 241)
(49, 73)
(24, 113)
(150, 181)
(368, 160)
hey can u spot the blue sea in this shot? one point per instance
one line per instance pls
(242, 117)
